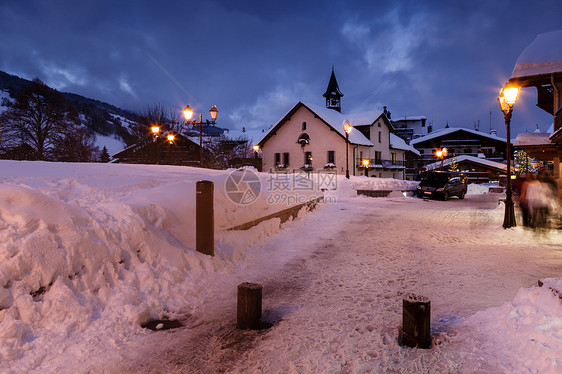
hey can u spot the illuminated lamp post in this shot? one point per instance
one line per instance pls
(155, 130)
(347, 128)
(441, 153)
(171, 138)
(256, 150)
(507, 98)
(187, 113)
(365, 163)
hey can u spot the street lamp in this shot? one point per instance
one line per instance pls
(187, 113)
(507, 98)
(441, 153)
(256, 150)
(365, 163)
(155, 130)
(347, 128)
(171, 138)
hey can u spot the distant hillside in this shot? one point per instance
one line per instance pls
(101, 118)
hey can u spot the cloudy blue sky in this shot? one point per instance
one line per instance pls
(446, 60)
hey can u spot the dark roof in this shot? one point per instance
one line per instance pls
(333, 90)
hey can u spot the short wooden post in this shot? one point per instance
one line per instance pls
(204, 218)
(416, 328)
(248, 315)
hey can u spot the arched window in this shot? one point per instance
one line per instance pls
(304, 139)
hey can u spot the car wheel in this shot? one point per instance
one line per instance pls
(461, 196)
(445, 195)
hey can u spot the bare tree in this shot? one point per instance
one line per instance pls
(154, 115)
(37, 119)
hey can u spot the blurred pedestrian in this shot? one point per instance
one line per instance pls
(523, 202)
(539, 199)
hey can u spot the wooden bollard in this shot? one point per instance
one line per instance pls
(248, 316)
(204, 218)
(416, 327)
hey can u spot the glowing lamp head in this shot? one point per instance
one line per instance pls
(214, 112)
(439, 153)
(365, 162)
(256, 148)
(171, 137)
(508, 97)
(444, 152)
(155, 130)
(347, 127)
(187, 113)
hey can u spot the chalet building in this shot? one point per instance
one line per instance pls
(182, 151)
(310, 138)
(477, 170)
(540, 66)
(409, 128)
(459, 142)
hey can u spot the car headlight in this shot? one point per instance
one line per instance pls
(439, 190)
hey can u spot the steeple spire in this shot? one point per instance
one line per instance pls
(333, 93)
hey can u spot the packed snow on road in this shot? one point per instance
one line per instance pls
(90, 252)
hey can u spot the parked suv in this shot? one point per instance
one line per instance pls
(443, 184)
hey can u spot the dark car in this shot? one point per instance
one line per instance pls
(443, 184)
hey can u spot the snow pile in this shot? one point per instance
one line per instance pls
(92, 246)
(522, 336)
(478, 189)
(385, 184)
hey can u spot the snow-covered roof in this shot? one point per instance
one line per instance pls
(335, 120)
(532, 138)
(450, 130)
(397, 142)
(458, 159)
(252, 135)
(542, 56)
(409, 118)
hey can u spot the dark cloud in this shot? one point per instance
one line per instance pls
(254, 60)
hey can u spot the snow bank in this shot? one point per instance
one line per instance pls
(522, 336)
(387, 184)
(97, 246)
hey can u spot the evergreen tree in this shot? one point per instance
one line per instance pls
(454, 166)
(104, 157)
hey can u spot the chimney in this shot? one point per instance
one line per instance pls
(493, 132)
(386, 112)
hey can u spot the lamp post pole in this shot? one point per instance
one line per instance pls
(347, 155)
(347, 128)
(187, 112)
(509, 216)
(507, 98)
(155, 131)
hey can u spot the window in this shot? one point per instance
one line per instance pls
(303, 126)
(378, 157)
(393, 158)
(332, 157)
(304, 139)
(286, 158)
(380, 137)
(308, 158)
(277, 158)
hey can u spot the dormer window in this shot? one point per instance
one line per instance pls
(303, 126)
(304, 139)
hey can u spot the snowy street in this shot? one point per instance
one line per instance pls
(333, 289)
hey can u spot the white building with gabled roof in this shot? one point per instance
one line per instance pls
(313, 138)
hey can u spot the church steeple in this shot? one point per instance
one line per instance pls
(333, 93)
